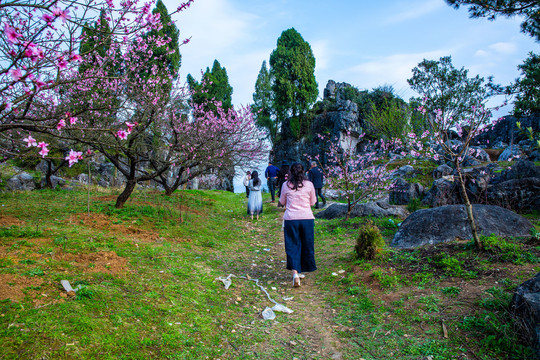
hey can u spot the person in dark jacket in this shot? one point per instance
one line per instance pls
(316, 176)
(271, 174)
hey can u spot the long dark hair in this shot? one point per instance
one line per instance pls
(255, 178)
(283, 172)
(296, 180)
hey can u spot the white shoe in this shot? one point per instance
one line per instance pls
(296, 280)
(301, 276)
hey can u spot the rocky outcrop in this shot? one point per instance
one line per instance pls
(340, 119)
(525, 307)
(403, 192)
(506, 130)
(517, 188)
(379, 208)
(450, 222)
(21, 182)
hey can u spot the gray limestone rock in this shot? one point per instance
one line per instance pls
(450, 222)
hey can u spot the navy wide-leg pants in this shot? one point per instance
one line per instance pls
(299, 245)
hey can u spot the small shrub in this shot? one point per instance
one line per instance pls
(413, 205)
(370, 242)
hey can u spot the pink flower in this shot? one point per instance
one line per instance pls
(76, 57)
(16, 74)
(130, 126)
(60, 125)
(30, 141)
(62, 64)
(11, 34)
(74, 157)
(72, 120)
(122, 134)
(44, 151)
(48, 18)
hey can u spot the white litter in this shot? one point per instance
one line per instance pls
(268, 314)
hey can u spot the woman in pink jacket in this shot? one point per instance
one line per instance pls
(298, 195)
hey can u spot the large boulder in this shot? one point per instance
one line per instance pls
(444, 191)
(450, 222)
(441, 171)
(517, 194)
(517, 188)
(379, 208)
(403, 192)
(21, 182)
(55, 181)
(511, 152)
(525, 307)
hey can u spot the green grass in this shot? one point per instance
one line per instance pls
(164, 301)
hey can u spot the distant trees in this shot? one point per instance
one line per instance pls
(528, 9)
(262, 107)
(528, 87)
(214, 86)
(289, 86)
(447, 89)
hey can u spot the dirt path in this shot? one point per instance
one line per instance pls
(310, 331)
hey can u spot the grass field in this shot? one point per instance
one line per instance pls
(146, 278)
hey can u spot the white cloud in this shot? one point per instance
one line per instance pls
(393, 70)
(506, 48)
(482, 53)
(322, 54)
(415, 10)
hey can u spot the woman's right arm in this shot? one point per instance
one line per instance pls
(283, 196)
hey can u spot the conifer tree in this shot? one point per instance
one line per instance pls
(262, 103)
(292, 67)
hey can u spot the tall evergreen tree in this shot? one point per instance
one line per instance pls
(214, 85)
(95, 42)
(262, 107)
(292, 66)
(528, 87)
(167, 56)
(529, 10)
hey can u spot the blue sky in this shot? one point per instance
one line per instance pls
(364, 43)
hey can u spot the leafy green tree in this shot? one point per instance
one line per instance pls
(528, 87)
(214, 85)
(528, 9)
(447, 89)
(292, 66)
(95, 42)
(262, 103)
(166, 56)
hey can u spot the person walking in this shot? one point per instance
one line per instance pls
(255, 204)
(282, 177)
(246, 182)
(298, 195)
(271, 174)
(316, 176)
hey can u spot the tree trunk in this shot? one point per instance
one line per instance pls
(349, 210)
(468, 208)
(124, 196)
(48, 174)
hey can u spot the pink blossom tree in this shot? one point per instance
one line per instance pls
(359, 172)
(39, 73)
(467, 129)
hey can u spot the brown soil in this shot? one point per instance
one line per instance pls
(309, 331)
(7, 221)
(103, 222)
(12, 286)
(104, 261)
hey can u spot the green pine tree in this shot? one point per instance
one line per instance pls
(214, 85)
(292, 66)
(262, 103)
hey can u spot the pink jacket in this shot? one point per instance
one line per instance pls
(298, 202)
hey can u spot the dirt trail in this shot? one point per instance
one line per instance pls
(310, 330)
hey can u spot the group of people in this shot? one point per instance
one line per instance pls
(297, 192)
